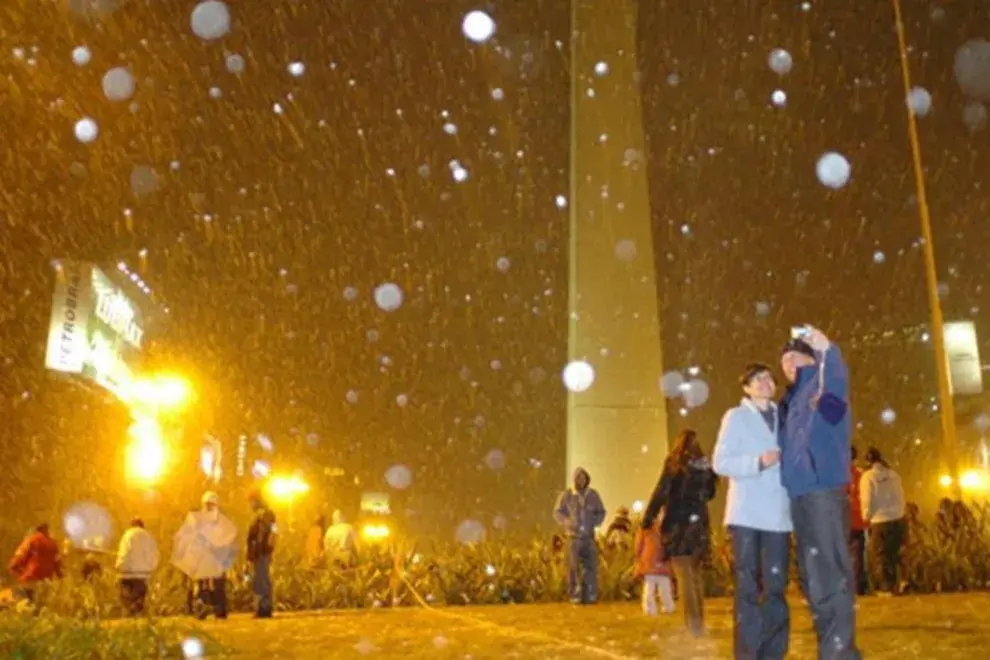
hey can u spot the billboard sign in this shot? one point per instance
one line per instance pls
(375, 503)
(72, 306)
(96, 330)
(963, 356)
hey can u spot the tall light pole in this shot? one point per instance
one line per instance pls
(948, 417)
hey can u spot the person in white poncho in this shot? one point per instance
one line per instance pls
(205, 549)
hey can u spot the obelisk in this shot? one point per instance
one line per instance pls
(617, 428)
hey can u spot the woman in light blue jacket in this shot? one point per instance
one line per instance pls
(758, 515)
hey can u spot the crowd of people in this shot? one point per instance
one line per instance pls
(793, 485)
(204, 550)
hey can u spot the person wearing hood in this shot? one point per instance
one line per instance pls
(815, 440)
(137, 558)
(882, 496)
(205, 549)
(579, 511)
(758, 517)
(686, 486)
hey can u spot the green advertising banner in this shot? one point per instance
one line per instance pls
(96, 330)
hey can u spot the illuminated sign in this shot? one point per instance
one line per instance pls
(96, 331)
(67, 342)
(210, 456)
(114, 309)
(375, 503)
(963, 356)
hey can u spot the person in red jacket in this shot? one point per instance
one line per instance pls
(857, 528)
(36, 559)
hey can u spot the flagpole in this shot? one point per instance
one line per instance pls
(948, 410)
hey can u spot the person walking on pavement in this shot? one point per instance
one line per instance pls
(758, 516)
(137, 559)
(686, 486)
(260, 548)
(579, 511)
(884, 509)
(815, 432)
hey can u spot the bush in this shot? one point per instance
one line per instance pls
(27, 636)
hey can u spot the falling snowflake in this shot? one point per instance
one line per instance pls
(478, 26)
(578, 376)
(210, 20)
(780, 61)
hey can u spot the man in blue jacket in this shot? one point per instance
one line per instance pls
(815, 430)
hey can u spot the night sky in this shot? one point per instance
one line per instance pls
(263, 207)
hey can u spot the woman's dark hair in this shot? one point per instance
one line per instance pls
(752, 370)
(873, 455)
(685, 450)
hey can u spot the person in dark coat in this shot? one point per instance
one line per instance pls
(815, 434)
(260, 548)
(686, 486)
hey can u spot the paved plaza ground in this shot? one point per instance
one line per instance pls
(934, 627)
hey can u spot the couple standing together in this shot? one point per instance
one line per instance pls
(788, 468)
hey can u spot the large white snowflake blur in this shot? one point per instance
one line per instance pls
(478, 26)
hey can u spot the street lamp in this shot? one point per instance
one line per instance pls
(161, 392)
(971, 481)
(375, 532)
(286, 489)
(146, 454)
(948, 417)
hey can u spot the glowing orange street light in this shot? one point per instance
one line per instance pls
(146, 454)
(286, 489)
(970, 481)
(375, 533)
(162, 392)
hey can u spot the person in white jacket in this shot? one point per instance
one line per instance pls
(137, 559)
(882, 496)
(758, 516)
(340, 542)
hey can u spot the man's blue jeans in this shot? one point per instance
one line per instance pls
(821, 530)
(262, 585)
(763, 620)
(582, 569)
